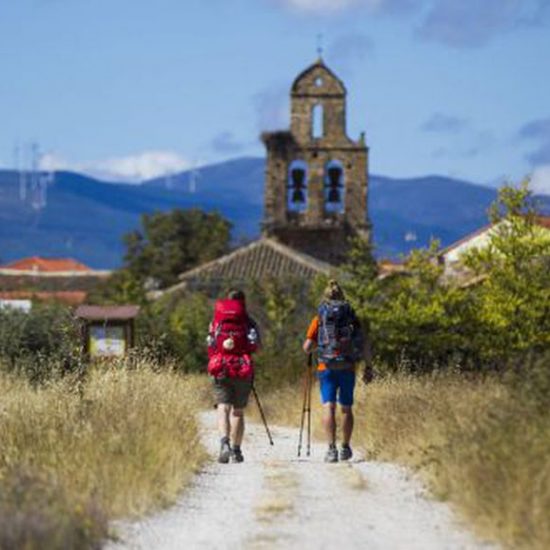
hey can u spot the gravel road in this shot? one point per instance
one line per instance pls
(275, 500)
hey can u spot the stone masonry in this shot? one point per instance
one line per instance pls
(318, 210)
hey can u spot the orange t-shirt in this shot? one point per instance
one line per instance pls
(311, 334)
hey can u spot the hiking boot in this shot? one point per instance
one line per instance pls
(225, 451)
(345, 452)
(332, 454)
(236, 455)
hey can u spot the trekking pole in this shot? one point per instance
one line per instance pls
(310, 383)
(262, 415)
(305, 406)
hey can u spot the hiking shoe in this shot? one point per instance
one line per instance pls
(225, 451)
(345, 452)
(332, 454)
(236, 455)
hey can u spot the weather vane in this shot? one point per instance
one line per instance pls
(320, 45)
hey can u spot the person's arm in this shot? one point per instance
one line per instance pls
(253, 330)
(211, 340)
(368, 372)
(311, 336)
(363, 343)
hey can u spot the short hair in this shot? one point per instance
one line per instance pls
(236, 294)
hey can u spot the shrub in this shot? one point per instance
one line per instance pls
(40, 344)
(420, 321)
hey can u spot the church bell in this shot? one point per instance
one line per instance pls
(334, 185)
(298, 176)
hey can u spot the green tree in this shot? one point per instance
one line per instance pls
(514, 296)
(122, 287)
(167, 244)
(172, 242)
(414, 319)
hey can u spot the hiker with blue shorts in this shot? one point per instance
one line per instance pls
(338, 336)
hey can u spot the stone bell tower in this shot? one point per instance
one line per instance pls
(316, 176)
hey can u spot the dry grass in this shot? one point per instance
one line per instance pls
(279, 492)
(476, 442)
(126, 444)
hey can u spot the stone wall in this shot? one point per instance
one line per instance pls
(316, 229)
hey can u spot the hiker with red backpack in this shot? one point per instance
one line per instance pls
(232, 339)
(338, 336)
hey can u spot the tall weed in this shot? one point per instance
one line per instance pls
(478, 442)
(125, 442)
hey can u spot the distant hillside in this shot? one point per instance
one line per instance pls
(85, 218)
(407, 213)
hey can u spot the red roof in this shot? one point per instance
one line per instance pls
(50, 265)
(69, 297)
(543, 221)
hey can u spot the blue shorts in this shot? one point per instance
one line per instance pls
(337, 382)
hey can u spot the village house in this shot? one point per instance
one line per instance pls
(451, 256)
(62, 280)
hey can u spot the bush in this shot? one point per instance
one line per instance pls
(420, 321)
(41, 344)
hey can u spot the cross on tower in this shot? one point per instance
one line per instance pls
(320, 45)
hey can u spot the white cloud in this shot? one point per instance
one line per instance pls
(129, 169)
(327, 7)
(319, 6)
(456, 23)
(540, 180)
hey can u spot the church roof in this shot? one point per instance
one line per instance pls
(261, 259)
(306, 82)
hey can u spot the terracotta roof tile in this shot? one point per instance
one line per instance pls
(261, 259)
(36, 263)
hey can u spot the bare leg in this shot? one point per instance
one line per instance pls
(329, 422)
(347, 424)
(237, 427)
(223, 419)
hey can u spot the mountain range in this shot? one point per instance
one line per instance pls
(85, 218)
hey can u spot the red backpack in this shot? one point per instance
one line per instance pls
(230, 349)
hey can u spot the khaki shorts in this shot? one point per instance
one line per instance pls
(233, 391)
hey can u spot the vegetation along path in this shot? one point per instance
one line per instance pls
(275, 500)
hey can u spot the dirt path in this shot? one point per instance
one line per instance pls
(275, 500)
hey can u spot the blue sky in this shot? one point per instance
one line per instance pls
(133, 88)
